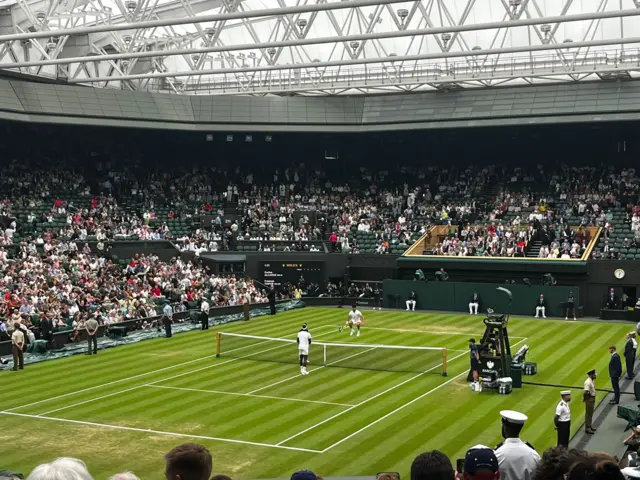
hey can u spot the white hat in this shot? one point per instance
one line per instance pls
(514, 417)
(565, 392)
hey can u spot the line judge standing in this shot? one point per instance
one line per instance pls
(589, 402)
(474, 303)
(204, 314)
(562, 419)
(167, 319)
(92, 325)
(17, 347)
(517, 459)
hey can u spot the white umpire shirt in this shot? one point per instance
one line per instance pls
(204, 308)
(304, 340)
(517, 460)
(563, 411)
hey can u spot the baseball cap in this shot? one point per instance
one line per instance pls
(480, 457)
(304, 475)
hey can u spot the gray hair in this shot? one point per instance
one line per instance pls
(124, 476)
(63, 468)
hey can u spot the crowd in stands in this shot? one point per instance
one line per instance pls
(546, 213)
(493, 210)
(59, 224)
(62, 286)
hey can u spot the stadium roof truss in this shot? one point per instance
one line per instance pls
(319, 47)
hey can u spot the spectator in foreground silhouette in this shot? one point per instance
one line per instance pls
(188, 461)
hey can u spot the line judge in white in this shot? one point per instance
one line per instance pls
(304, 342)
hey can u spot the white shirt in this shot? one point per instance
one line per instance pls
(304, 340)
(563, 411)
(635, 343)
(517, 460)
(204, 308)
(355, 316)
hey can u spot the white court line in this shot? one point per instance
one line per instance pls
(174, 376)
(319, 368)
(138, 376)
(160, 432)
(411, 402)
(434, 332)
(394, 411)
(367, 400)
(250, 395)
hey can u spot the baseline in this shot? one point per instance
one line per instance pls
(435, 332)
(159, 432)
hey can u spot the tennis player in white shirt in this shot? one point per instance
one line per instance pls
(354, 321)
(304, 342)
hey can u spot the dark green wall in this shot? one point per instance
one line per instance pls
(455, 296)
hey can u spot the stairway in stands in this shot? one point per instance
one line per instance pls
(534, 249)
(491, 190)
(230, 208)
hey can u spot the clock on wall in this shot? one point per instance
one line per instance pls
(619, 273)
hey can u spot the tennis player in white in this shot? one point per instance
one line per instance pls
(304, 342)
(355, 320)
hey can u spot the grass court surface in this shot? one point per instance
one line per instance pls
(126, 407)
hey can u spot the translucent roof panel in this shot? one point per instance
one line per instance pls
(313, 47)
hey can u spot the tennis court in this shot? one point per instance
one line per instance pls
(253, 397)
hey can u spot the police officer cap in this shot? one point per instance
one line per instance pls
(514, 417)
(591, 372)
(565, 392)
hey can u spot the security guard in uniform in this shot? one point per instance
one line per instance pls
(562, 419)
(516, 458)
(589, 397)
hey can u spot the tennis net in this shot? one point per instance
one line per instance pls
(389, 358)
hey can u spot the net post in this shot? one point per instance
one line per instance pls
(444, 362)
(324, 354)
(218, 335)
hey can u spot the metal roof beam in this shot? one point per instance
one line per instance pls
(356, 37)
(269, 12)
(361, 61)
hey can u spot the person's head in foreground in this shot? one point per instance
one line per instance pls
(595, 467)
(556, 462)
(481, 463)
(512, 423)
(433, 465)
(304, 475)
(188, 461)
(63, 468)
(124, 476)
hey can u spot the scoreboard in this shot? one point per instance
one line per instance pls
(278, 273)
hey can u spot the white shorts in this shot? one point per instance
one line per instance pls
(303, 351)
(356, 322)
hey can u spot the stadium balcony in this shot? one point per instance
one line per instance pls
(426, 248)
(619, 241)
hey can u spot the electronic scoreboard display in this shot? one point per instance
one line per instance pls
(277, 274)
